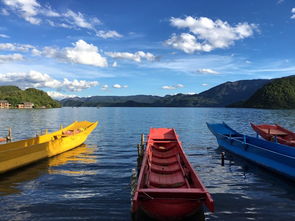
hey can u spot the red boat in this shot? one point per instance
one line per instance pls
(275, 132)
(168, 187)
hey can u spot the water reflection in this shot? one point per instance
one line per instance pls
(9, 183)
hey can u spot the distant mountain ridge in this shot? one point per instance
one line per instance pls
(219, 96)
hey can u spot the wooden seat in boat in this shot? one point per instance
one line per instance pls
(172, 180)
(165, 169)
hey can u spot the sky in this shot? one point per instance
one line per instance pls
(156, 47)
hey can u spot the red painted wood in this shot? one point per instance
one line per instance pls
(272, 132)
(168, 187)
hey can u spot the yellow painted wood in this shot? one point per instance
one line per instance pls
(20, 153)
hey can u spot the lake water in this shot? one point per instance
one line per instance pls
(92, 182)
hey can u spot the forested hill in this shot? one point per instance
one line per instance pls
(15, 95)
(278, 94)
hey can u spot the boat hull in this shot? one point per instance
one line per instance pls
(272, 156)
(168, 188)
(173, 209)
(17, 154)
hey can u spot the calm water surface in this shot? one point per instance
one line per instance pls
(91, 182)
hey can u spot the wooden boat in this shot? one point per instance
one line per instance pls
(272, 156)
(168, 187)
(275, 133)
(20, 153)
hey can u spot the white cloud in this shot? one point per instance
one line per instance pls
(187, 43)
(35, 13)
(81, 53)
(207, 71)
(39, 80)
(206, 34)
(10, 58)
(78, 20)
(15, 47)
(137, 56)
(293, 13)
(59, 96)
(104, 87)
(114, 64)
(173, 87)
(27, 9)
(205, 85)
(108, 34)
(120, 86)
(4, 36)
(84, 53)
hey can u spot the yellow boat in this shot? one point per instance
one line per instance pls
(21, 153)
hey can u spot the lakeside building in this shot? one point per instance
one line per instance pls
(4, 104)
(25, 105)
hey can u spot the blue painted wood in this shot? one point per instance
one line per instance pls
(273, 156)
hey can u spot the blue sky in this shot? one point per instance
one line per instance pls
(158, 47)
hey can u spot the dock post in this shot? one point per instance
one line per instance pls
(142, 145)
(138, 150)
(222, 158)
(9, 136)
(133, 182)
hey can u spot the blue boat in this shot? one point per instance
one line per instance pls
(273, 156)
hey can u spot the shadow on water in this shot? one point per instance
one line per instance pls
(247, 186)
(10, 182)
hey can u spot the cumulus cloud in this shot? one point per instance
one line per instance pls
(84, 53)
(206, 34)
(37, 79)
(4, 36)
(205, 85)
(10, 57)
(81, 53)
(137, 56)
(118, 86)
(207, 71)
(59, 96)
(173, 87)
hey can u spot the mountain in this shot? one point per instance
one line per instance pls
(109, 101)
(232, 92)
(15, 95)
(219, 96)
(278, 94)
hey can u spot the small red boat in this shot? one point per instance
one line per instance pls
(168, 187)
(275, 132)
